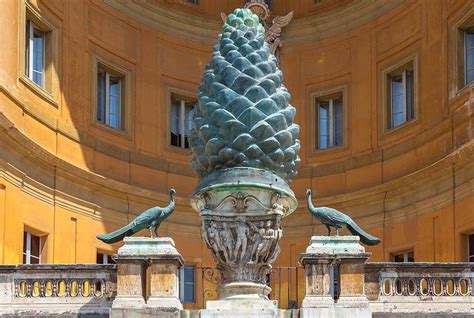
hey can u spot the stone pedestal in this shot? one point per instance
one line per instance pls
(133, 259)
(241, 211)
(347, 256)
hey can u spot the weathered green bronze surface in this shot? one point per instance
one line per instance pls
(149, 219)
(334, 218)
(245, 149)
(244, 117)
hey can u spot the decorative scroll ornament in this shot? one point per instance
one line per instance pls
(273, 29)
(240, 202)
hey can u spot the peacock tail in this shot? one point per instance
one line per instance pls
(365, 237)
(244, 117)
(117, 235)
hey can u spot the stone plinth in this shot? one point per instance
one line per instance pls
(133, 259)
(347, 256)
(240, 308)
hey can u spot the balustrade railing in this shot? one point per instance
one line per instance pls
(408, 287)
(92, 288)
(420, 279)
(57, 288)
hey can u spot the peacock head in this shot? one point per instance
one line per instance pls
(308, 192)
(172, 192)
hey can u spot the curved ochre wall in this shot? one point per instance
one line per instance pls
(67, 178)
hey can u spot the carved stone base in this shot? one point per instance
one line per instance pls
(243, 290)
(241, 211)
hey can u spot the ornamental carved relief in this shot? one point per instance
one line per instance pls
(244, 249)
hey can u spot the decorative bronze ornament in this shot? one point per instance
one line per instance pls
(273, 29)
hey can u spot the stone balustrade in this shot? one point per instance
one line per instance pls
(393, 289)
(420, 287)
(57, 289)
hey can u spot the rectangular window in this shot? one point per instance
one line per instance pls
(403, 257)
(110, 98)
(335, 277)
(187, 284)
(469, 56)
(35, 53)
(470, 248)
(103, 258)
(181, 120)
(31, 248)
(330, 121)
(401, 97)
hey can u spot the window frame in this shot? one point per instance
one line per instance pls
(469, 247)
(29, 51)
(331, 121)
(457, 80)
(183, 284)
(173, 88)
(105, 258)
(27, 249)
(50, 26)
(465, 49)
(182, 120)
(322, 92)
(405, 255)
(408, 60)
(106, 112)
(126, 96)
(405, 110)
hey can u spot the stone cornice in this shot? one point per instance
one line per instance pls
(319, 26)
(178, 24)
(36, 158)
(204, 29)
(84, 139)
(162, 164)
(462, 157)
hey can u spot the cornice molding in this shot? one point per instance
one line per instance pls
(344, 19)
(35, 158)
(176, 23)
(204, 29)
(162, 164)
(158, 163)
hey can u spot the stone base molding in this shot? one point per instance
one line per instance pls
(240, 308)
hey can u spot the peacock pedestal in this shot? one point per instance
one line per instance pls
(334, 271)
(158, 257)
